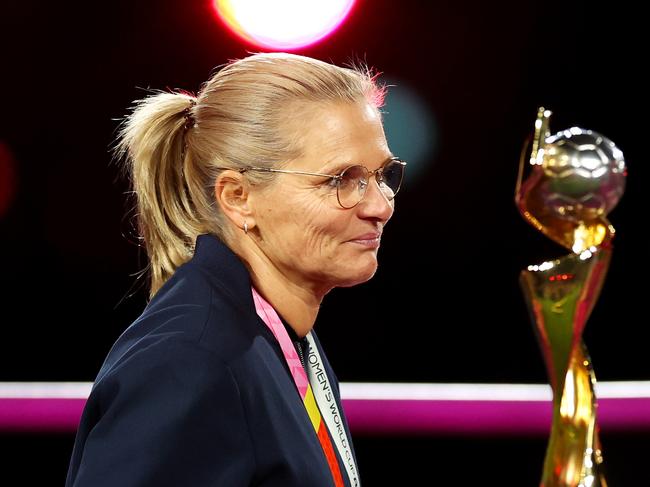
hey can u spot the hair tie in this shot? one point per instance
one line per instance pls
(190, 122)
(189, 115)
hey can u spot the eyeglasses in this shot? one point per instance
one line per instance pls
(351, 184)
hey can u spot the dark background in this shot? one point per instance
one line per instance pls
(445, 305)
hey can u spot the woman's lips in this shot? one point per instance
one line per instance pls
(370, 240)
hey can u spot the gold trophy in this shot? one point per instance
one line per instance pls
(573, 180)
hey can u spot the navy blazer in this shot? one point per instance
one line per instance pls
(196, 392)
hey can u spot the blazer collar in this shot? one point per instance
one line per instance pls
(228, 271)
(223, 267)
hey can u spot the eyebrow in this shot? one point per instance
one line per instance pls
(338, 167)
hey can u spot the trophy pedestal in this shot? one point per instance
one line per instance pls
(560, 296)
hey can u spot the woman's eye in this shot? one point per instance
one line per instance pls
(332, 182)
(347, 181)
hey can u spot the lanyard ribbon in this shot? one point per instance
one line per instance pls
(316, 394)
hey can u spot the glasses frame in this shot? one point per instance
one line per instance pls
(336, 177)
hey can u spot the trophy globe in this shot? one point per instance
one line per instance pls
(586, 174)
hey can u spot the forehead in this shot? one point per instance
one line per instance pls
(339, 134)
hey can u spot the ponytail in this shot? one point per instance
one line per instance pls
(151, 142)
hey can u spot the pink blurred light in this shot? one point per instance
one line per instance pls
(8, 178)
(283, 24)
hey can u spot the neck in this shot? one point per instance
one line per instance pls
(297, 302)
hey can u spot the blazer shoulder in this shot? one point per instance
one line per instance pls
(148, 407)
(192, 309)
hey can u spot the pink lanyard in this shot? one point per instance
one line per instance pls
(272, 320)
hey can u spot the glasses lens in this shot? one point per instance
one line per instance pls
(391, 178)
(352, 186)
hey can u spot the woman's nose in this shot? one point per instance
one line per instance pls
(375, 203)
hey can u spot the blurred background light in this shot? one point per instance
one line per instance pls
(410, 127)
(8, 178)
(283, 24)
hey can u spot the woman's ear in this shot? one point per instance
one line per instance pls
(232, 192)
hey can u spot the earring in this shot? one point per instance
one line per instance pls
(245, 226)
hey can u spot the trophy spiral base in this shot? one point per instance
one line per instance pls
(560, 297)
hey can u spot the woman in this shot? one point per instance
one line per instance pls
(255, 199)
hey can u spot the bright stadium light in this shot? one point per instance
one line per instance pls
(283, 24)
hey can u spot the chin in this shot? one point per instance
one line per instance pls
(360, 276)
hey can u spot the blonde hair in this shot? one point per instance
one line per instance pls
(173, 143)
